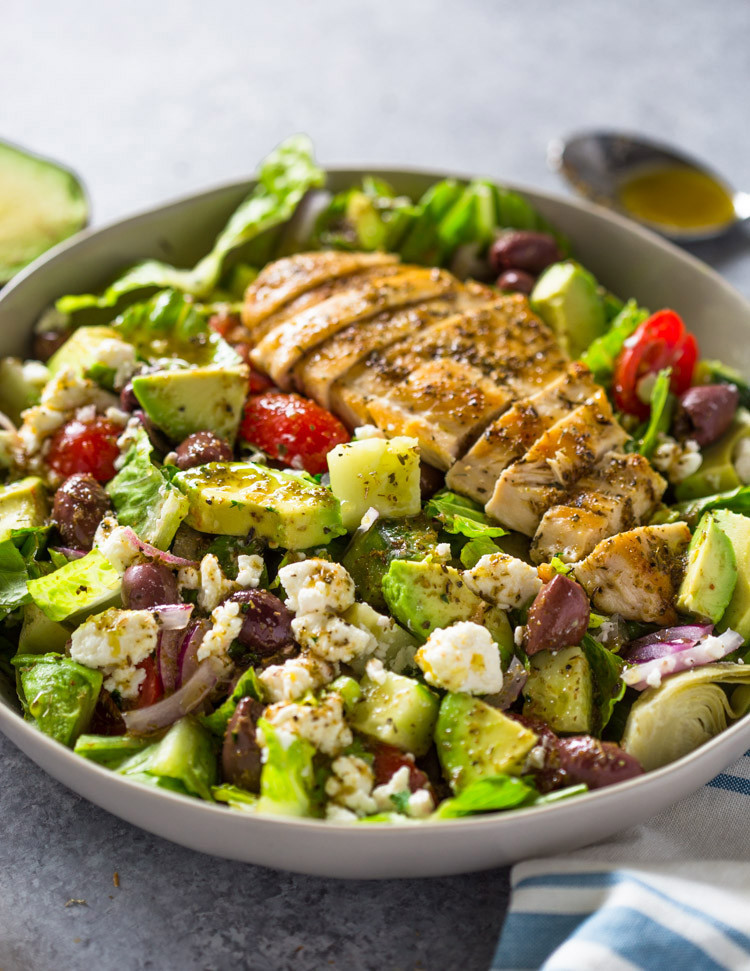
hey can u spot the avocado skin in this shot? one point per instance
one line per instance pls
(737, 529)
(59, 694)
(475, 741)
(567, 298)
(560, 690)
(711, 572)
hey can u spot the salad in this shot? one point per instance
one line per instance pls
(386, 511)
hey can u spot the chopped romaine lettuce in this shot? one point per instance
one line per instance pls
(662, 408)
(235, 797)
(80, 587)
(486, 795)
(286, 779)
(609, 688)
(110, 750)
(58, 694)
(460, 515)
(601, 353)
(247, 686)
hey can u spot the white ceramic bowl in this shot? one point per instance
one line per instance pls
(627, 259)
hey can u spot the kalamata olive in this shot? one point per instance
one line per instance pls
(522, 249)
(430, 480)
(558, 617)
(147, 585)
(388, 760)
(80, 505)
(240, 754)
(200, 448)
(705, 412)
(128, 400)
(106, 719)
(586, 759)
(517, 281)
(268, 624)
(155, 435)
(47, 342)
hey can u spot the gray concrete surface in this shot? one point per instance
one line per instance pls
(149, 100)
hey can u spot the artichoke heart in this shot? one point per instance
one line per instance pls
(686, 711)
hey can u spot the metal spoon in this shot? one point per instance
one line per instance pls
(600, 164)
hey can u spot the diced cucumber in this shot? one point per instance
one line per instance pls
(397, 710)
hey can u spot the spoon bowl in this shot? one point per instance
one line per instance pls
(657, 185)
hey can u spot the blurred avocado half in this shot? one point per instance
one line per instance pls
(41, 204)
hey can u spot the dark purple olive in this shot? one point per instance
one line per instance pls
(147, 585)
(200, 448)
(80, 505)
(128, 400)
(430, 480)
(517, 281)
(558, 617)
(240, 754)
(268, 624)
(706, 412)
(522, 249)
(106, 719)
(47, 342)
(155, 435)
(586, 759)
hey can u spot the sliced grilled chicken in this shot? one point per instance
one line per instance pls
(637, 574)
(284, 280)
(281, 349)
(617, 495)
(446, 383)
(509, 436)
(565, 452)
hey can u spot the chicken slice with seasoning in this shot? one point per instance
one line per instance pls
(637, 574)
(444, 385)
(565, 452)
(284, 346)
(618, 494)
(509, 436)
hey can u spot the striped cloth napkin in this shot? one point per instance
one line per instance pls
(673, 893)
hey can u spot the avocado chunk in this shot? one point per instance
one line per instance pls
(475, 741)
(39, 634)
(567, 299)
(372, 550)
(198, 399)
(80, 353)
(58, 694)
(396, 710)
(41, 205)
(423, 596)
(737, 530)
(79, 588)
(560, 690)
(710, 573)
(21, 385)
(22, 504)
(282, 508)
(398, 646)
(376, 473)
(717, 472)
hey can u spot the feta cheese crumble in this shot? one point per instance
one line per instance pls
(317, 586)
(227, 622)
(462, 657)
(115, 641)
(417, 804)
(295, 677)
(741, 459)
(350, 785)
(367, 431)
(322, 725)
(113, 542)
(332, 638)
(503, 580)
(118, 357)
(214, 586)
(677, 460)
(249, 570)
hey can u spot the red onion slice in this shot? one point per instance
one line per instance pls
(513, 681)
(144, 721)
(69, 553)
(172, 616)
(666, 641)
(153, 553)
(188, 658)
(710, 649)
(168, 654)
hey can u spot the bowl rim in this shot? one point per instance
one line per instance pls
(602, 796)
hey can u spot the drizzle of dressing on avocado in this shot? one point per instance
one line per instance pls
(678, 197)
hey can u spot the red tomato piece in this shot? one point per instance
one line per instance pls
(89, 446)
(223, 323)
(259, 382)
(659, 342)
(150, 690)
(389, 759)
(292, 429)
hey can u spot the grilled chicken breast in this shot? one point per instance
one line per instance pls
(617, 495)
(637, 573)
(509, 436)
(286, 344)
(565, 452)
(446, 384)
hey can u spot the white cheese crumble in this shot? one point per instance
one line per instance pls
(129, 437)
(370, 517)
(443, 552)
(418, 804)
(317, 586)
(295, 677)
(118, 357)
(113, 542)
(350, 785)
(189, 578)
(375, 671)
(331, 637)
(462, 657)
(227, 624)
(367, 431)
(503, 580)
(322, 725)
(115, 642)
(249, 570)
(676, 460)
(741, 459)
(337, 814)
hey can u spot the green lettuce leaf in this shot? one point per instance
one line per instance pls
(235, 798)
(736, 500)
(609, 688)
(81, 586)
(248, 686)
(485, 796)
(144, 499)
(460, 515)
(110, 750)
(58, 694)
(476, 548)
(662, 408)
(286, 779)
(14, 576)
(285, 176)
(600, 355)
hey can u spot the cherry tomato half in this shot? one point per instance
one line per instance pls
(291, 429)
(85, 446)
(659, 342)
(150, 690)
